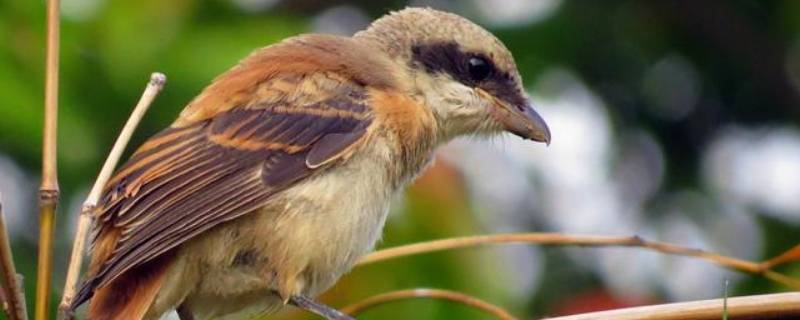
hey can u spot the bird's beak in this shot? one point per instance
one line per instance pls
(520, 120)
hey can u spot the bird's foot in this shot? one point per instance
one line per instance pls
(184, 313)
(320, 309)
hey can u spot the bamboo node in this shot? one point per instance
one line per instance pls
(49, 196)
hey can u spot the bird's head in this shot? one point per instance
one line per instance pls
(465, 74)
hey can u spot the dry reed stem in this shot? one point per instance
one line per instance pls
(13, 295)
(44, 270)
(790, 255)
(770, 306)
(423, 293)
(557, 239)
(154, 86)
(48, 191)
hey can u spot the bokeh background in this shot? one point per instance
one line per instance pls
(673, 120)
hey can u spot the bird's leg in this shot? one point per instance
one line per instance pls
(320, 309)
(184, 313)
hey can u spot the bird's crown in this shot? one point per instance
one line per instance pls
(406, 32)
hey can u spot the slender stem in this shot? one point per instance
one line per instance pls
(423, 293)
(48, 191)
(770, 306)
(14, 300)
(49, 173)
(725, 301)
(557, 239)
(154, 86)
(790, 255)
(45, 267)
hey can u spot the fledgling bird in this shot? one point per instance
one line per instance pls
(278, 176)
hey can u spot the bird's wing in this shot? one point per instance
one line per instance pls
(194, 176)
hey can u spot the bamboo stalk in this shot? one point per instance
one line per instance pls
(48, 202)
(14, 296)
(48, 191)
(424, 293)
(557, 239)
(154, 86)
(769, 306)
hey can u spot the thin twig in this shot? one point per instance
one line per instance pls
(48, 191)
(725, 301)
(423, 293)
(557, 239)
(789, 256)
(770, 306)
(14, 297)
(154, 86)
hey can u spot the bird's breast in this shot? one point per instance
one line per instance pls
(331, 220)
(305, 237)
(300, 242)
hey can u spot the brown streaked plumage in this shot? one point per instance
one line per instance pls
(277, 177)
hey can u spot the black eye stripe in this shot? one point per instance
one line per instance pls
(447, 57)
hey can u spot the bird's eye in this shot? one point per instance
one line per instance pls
(479, 68)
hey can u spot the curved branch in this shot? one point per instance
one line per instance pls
(422, 293)
(558, 239)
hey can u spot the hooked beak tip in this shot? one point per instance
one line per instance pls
(544, 138)
(540, 130)
(521, 120)
(535, 128)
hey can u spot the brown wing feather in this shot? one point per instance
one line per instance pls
(190, 178)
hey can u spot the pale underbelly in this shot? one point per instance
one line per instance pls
(300, 243)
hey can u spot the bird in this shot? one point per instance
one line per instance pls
(278, 176)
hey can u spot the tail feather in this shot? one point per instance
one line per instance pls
(130, 295)
(102, 248)
(85, 293)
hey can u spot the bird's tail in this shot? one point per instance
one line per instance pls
(129, 296)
